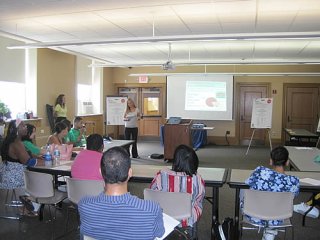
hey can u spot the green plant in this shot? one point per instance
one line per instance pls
(4, 110)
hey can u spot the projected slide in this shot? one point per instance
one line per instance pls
(206, 96)
(200, 96)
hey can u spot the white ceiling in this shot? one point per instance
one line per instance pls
(138, 32)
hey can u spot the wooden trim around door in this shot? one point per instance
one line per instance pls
(284, 101)
(236, 100)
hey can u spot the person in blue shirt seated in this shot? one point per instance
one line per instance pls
(115, 213)
(273, 180)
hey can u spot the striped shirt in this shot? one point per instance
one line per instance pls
(171, 181)
(120, 217)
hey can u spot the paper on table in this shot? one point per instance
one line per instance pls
(63, 167)
(310, 181)
(169, 224)
(303, 148)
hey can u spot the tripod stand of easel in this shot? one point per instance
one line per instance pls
(252, 135)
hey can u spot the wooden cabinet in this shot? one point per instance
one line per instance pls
(94, 123)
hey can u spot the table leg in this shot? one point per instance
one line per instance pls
(215, 208)
(236, 214)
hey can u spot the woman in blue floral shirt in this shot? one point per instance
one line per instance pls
(273, 180)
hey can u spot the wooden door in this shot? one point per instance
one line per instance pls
(150, 101)
(247, 93)
(301, 105)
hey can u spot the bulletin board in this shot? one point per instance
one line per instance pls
(115, 108)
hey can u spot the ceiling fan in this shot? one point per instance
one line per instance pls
(168, 65)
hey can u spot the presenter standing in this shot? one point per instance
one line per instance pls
(60, 108)
(131, 117)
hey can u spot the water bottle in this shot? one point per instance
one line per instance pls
(83, 141)
(48, 158)
(56, 156)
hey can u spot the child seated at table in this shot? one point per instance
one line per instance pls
(273, 180)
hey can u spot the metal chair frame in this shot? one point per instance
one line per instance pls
(268, 206)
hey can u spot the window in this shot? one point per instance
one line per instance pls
(84, 93)
(131, 93)
(89, 87)
(151, 103)
(10, 92)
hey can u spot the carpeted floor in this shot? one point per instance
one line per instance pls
(210, 156)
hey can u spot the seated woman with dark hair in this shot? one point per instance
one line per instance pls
(15, 158)
(183, 178)
(60, 131)
(13, 149)
(66, 139)
(28, 141)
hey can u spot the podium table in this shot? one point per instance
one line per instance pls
(175, 135)
(198, 136)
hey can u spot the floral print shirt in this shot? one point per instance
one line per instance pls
(265, 179)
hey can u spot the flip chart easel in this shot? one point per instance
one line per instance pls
(115, 108)
(261, 117)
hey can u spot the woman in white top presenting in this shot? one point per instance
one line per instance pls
(131, 117)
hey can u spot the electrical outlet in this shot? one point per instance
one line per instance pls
(41, 131)
(227, 132)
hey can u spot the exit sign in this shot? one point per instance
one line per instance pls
(143, 79)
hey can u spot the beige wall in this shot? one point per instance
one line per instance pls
(120, 75)
(55, 75)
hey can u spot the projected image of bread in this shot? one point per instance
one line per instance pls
(212, 102)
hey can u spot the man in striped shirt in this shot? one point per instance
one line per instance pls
(115, 213)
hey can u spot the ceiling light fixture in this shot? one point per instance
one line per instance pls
(273, 74)
(177, 38)
(221, 62)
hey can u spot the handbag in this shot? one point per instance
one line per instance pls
(65, 151)
(223, 231)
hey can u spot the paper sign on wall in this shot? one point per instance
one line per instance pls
(262, 113)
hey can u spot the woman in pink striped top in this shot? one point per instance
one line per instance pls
(183, 178)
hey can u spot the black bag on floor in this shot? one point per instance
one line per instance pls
(157, 156)
(223, 231)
